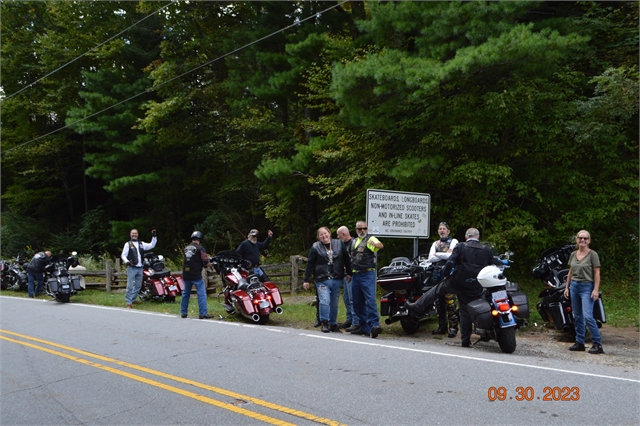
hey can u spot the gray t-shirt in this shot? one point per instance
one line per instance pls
(582, 270)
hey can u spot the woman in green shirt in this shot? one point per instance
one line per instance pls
(583, 285)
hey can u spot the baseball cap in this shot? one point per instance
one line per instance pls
(253, 232)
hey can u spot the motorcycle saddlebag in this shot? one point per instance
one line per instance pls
(598, 310)
(53, 285)
(274, 291)
(243, 300)
(75, 283)
(156, 287)
(480, 312)
(522, 302)
(179, 282)
(560, 320)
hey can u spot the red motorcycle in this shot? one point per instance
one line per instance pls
(243, 292)
(157, 283)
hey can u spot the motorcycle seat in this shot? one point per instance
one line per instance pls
(160, 274)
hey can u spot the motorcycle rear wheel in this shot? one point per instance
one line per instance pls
(263, 319)
(409, 325)
(506, 338)
(63, 298)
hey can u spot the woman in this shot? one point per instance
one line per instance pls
(328, 262)
(583, 284)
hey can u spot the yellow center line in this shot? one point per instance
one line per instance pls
(220, 391)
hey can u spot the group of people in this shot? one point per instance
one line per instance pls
(351, 263)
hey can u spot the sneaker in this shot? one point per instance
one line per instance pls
(346, 324)
(453, 332)
(358, 332)
(206, 316)
(440, 330)
(596, 348)
(325, 326)
(577, 347)
(353, 327)
(334, 328)
(413, 309)
(375, 330)
(129, 306)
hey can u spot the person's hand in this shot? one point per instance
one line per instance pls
(566, 292)
(595, 295)
(305, 286)
(154, 233)
(270, 234)
(348, 278)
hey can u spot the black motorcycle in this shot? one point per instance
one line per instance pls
(14, 274)
(405, 280)
(59, 284)
(553, 307)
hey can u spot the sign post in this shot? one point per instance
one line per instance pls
(398, 214)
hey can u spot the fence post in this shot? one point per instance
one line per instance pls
(108, 274)
(294, 273)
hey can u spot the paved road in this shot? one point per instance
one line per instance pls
(80, 364)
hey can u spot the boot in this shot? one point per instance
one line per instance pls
(440, 330)
(453, 332)
(325, 326)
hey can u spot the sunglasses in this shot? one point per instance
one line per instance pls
(584, 238)
(361, 229)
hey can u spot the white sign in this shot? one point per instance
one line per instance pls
(398, 214)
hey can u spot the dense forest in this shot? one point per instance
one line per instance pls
(518, 118)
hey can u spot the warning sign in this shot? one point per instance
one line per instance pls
(398, 214)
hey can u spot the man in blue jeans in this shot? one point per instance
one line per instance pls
(352, 322)
(363, 282)
(35, 271)
(132, 256)
(195, 259)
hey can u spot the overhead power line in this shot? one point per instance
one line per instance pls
(87, 52)
(182, 75)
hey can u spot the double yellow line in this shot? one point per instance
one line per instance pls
(202, 398)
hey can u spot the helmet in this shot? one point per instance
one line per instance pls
(491, 276)
(197, 235)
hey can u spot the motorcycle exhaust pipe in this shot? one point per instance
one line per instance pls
(255, 317)
(278, 310)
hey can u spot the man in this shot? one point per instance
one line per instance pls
(133, 256)
(468, 258)
(35, 271)
(363, 281)
(250, 249)
(446, 305)
(352, 322)
(195, 259)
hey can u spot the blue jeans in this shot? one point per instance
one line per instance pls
(134, 282)
(363, 288)
(328, 297)
(33, 276)
(582, 306)
(201, 291)
(348, 304)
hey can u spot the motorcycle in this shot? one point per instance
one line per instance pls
(502, 308)
(405, 280)
(243, 292)
(553, 307)
(58, 283)
(157, 282)
(14, 275)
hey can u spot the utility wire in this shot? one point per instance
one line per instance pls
(87, 52)
(182, 75)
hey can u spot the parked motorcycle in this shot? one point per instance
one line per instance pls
(553, 307)
(502, 308)
(405, 280)
(14, 274)
(243, 292)
(157, 282)
(58, 283)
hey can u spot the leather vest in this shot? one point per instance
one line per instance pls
(192, 266)
(443, 247)
(362, 258)
(329, 267)
(132, 256)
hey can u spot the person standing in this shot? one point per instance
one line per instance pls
(446, 305)
(195, 259)
(363, 281)
(133, 256)
(583, 285)
(250, 249)
(329, 263)
(351, 323)
(35, 271)
(468, 259)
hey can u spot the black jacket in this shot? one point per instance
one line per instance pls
(321, 268)
(468, 259)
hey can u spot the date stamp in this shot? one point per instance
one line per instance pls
(522, 393)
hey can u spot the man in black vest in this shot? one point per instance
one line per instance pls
(468, 259)
(352, 322)
(35, 272)
(250, 249)
(195, 259)
(132, 256)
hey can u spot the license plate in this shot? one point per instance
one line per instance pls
(264, 304)
(499, 295)
(172, 288)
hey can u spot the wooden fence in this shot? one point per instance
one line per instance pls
(287, 276)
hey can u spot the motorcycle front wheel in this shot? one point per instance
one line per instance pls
(506, 338)
(409, 324)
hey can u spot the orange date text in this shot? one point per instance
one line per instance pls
(521, 393)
